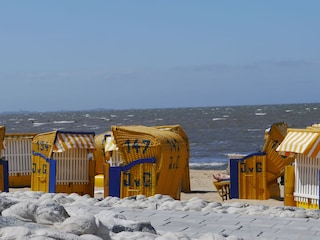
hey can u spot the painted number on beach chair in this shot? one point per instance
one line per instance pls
(174, 145)
(44, 168)
(275, 144)
(34, 167)
(144, 145)
(146, 179)
(126, 182)
(174, 164)
(243, 167)
(147, 143)
(136, 182)
(43, 146)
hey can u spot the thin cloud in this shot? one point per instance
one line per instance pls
(285, 63)
(248, 66)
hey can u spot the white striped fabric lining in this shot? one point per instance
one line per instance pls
(66, 141)
(299, 142)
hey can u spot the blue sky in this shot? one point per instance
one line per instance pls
(82, 55)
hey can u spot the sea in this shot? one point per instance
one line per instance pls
(213, 132)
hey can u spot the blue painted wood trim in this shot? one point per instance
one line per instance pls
(52, 173)
(115, 175)
(136, 162)
(234, 174)
(5, 174)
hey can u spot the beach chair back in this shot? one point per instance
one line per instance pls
(63, 162)
(18, 152)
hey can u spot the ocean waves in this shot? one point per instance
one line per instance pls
(213, 132)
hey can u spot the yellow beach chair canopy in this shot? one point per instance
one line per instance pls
(167, 146)
(135, 142)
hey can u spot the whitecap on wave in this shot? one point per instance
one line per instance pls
(218, 119)
(38, 124)
(63, 122)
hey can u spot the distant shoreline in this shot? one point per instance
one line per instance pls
(150, 108)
